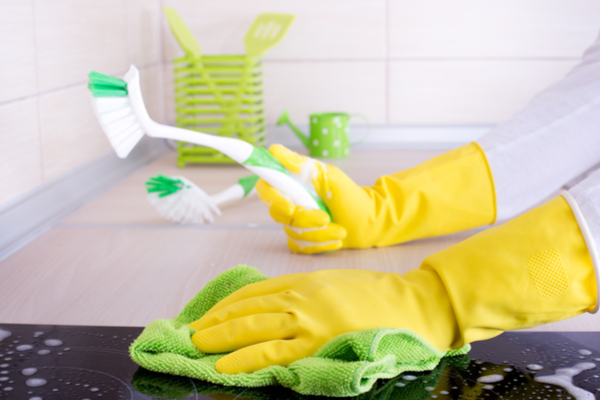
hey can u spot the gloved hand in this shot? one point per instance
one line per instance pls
(446, 194)
(283, 319)
(530, 271)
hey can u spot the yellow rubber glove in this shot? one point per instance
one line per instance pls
(449, 193)
(530, 271)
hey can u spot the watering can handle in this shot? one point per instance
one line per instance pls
(368, 129)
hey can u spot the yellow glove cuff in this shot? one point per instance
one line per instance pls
(530, 271)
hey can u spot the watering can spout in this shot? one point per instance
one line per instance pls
(285, 119)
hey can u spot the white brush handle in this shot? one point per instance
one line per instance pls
(234, 148)
(238, 150)
(294, 189)
(232, 193)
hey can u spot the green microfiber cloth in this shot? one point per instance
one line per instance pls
(347, 365)
(158, 385)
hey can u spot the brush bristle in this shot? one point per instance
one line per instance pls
(163, 185)
(102, 85)
(179, 200)
(119, 123)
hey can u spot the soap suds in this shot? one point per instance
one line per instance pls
(535, 367)
(563, 377)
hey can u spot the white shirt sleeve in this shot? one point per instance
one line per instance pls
(553, 140)
(584, 199)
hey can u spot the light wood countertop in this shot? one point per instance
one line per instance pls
(116, 262)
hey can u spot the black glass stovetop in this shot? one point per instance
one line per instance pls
(76, 362)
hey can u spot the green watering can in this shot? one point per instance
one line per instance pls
(329, 133)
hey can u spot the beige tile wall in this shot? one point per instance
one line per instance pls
(396, 61)
(47, 47)
(402, 61)
(20, 161)
(466, 91)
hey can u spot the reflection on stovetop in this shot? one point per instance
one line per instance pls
(77, 362)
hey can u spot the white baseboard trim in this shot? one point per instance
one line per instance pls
(393, 136)
(26, 217)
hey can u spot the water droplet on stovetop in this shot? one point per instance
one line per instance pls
(490, 378)
(29, 371)
(35, 382)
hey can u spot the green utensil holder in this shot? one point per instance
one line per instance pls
(222, 95)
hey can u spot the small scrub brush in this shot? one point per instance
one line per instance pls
(179, 200)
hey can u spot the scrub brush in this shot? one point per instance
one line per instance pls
(120, 109)
(179, 200)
